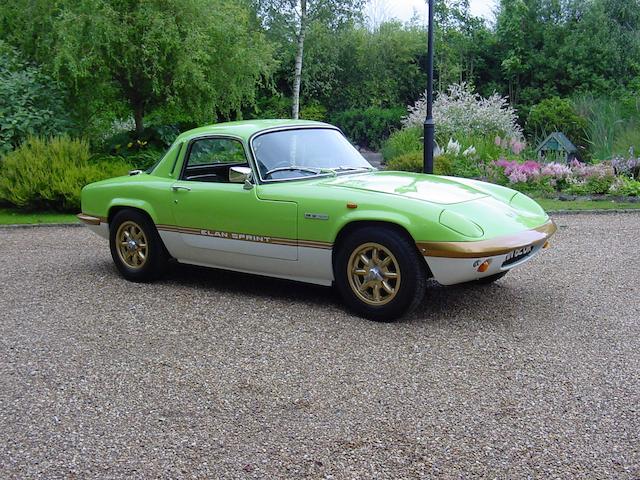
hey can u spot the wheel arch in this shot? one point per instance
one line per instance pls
(354, 225)
(120, 204)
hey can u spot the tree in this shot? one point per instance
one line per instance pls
(293, 17)
(31, 104)
(199, 56)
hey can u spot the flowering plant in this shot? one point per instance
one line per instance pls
(627, 166)
(460, 111)
(577, 177)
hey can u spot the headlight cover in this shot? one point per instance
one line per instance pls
(522, 202)
(460, 224)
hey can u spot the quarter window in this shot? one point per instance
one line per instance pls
(216, 151)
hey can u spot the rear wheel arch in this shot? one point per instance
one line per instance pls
(113, 211)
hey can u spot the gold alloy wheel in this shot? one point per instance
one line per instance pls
(132, 244)
(374, 274)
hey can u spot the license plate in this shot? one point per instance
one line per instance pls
(518, 253)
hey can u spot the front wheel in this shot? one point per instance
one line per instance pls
(379, 273)
(136, 248)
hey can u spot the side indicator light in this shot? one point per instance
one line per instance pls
(546, 244)
(484, 266)
(352, 205)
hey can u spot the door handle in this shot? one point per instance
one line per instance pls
(175, 188)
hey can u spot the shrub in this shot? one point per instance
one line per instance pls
(557, 115)
(626, 186)
(314, 112)
(402, 141)
(369, 127)
(49, 174)
(414, 162)
(30, 102)
(463, 112)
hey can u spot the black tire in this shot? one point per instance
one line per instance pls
(155, 254)
(409, 289)
(490, 279)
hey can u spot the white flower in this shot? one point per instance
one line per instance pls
(460, 110)
(453, 147)
(469, 151)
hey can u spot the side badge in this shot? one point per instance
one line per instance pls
(316, 216)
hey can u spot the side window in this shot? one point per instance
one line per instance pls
(215, 151)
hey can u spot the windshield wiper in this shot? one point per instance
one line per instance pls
(315, 171)
(349, 169)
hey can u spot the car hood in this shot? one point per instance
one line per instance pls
(429, 188)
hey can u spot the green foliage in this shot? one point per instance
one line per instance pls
(369, 127)
(402, 141)
(201, 56)
(592, 186)
(270, 105)
(557, 115)
(610, 125)
(627, 139)
(414, 162)
(626, 187)
(126, 143)
(30, 102)
(315, 112)
(407, 162)
(49, 174)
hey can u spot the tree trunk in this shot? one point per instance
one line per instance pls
(138, 116)
(295, 111)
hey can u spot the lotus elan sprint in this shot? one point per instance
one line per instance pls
(295, 200)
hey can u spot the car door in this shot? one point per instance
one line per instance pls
(223, 223)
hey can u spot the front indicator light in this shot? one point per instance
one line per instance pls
(484, 266)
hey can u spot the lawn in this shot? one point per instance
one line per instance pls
(14, 217)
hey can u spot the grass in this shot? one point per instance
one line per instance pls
(14, 217)
(551, 205)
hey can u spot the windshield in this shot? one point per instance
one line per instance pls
(306, 152)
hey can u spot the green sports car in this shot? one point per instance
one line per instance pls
(295, 200)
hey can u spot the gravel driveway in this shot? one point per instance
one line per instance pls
(209, 374)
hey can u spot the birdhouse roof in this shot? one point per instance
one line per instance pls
(557, 141)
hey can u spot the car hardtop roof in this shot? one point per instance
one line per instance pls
(246, 128)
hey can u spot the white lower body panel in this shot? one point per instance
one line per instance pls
(450, 271)
(102, 229)
(313, 265)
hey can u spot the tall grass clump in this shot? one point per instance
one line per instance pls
(610, 126)
(49, 173)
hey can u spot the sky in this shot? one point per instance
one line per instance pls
(403, 9)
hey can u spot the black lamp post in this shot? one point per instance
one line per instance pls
(429, 124)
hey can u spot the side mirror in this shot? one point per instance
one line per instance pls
(241, 175)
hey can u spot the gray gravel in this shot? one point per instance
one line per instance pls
(209, 374)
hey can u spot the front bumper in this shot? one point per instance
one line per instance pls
(459, 262)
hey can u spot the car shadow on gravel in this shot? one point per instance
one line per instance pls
(457, 303)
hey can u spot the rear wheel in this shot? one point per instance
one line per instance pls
(379, 273)
(136, 248)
